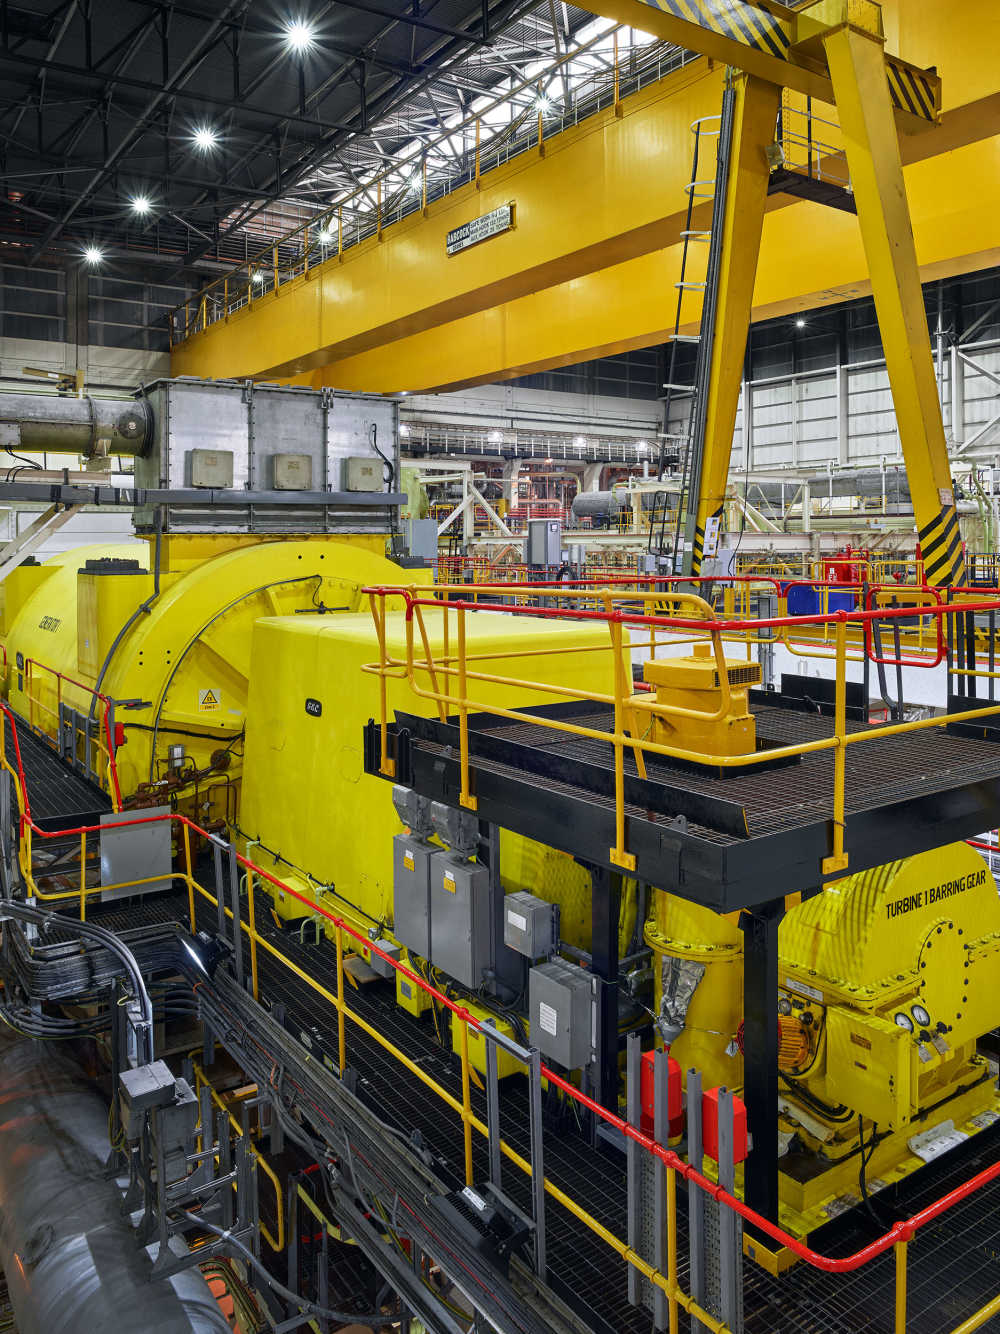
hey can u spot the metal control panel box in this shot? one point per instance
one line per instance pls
(460, 919)
(530, 925)
(411, 890)
(560, 1006)
(292, 472)
(364, 474)
(211, 468)
(544, 542)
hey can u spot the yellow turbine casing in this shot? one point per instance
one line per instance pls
(184, 661)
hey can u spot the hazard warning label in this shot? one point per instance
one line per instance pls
(209, 701)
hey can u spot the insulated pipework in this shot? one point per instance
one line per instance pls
(43, 423)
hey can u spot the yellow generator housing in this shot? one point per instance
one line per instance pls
(306, 797)
(710, 725)
(177, 660)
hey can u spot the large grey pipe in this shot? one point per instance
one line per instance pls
(72, 1262)
(43, 422)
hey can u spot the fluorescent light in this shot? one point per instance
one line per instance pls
(141, 205)
(205, 138)
(93, 254)
(299, 35)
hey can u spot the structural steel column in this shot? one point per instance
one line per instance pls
(857, 67)
(760, 1053)
(754, 118)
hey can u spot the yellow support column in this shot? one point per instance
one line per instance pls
(755, 116)
(857, 68)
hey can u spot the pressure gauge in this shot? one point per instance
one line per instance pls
(920, 1015)
(904, 1021)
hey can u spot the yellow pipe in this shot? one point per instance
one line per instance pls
(899, 1326)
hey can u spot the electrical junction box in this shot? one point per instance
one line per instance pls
(375, 961)
(544, 542)
(292, 472)
(422, 538)
(411, 997)
(530, 925)
(212, 468)
(411, 892)
(460, 919)
(142, 1089)
(560, 1003)
(507, 1064)
(364, 474)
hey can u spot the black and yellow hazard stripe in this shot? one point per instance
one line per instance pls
(748, 24)
(912, 91)
(698, 547)
(941, 549)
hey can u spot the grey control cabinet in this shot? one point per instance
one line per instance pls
(560, 1005)
(411, 889)
(460, 919)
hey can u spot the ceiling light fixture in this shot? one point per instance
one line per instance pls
(93, 254)
(800, 324)
(141, 205)
(299, 35)
(205, 138)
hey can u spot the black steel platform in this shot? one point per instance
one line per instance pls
(59, 797)
(954, 1264)
(726, 842)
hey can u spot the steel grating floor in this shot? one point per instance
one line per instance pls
(954, 1265)
(59, 798)
(879, 772)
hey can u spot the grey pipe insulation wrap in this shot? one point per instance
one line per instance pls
(45, 423)
(72, 1261)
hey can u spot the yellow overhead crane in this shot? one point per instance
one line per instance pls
(832, 50)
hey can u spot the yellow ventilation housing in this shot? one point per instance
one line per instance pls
(694, 684)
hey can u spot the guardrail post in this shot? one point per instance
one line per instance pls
(83, 876)
(341, 1034)
(661, 1133)
(696, 1199)
(633, 1076)
(220, 902)
(188, 875)
(730, 1269)
(234, 897)
(537, 1164)
(899, 1324)
(837, 861)
(466, 1103)
(252, 915)
(493, 1109)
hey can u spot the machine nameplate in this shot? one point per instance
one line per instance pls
(923, 898)
(480, 229)
(802, 989)
(314, 708)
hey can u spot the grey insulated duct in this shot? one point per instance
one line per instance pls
(72, 1261)
(43, 423)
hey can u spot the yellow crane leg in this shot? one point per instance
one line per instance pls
(857, 67)
(755, 115)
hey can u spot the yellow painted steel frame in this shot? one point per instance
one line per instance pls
(448, 677)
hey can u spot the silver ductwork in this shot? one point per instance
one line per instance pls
(43, 423)
(72, 1261)
(608, 504)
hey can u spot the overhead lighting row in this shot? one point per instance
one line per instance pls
(299, 37)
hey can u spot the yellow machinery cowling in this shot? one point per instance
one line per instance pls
(306, 796)
(885, 985)
(693, 683)
(183, 663)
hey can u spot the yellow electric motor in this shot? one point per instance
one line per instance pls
(710, 727)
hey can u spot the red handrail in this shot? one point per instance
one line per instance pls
(901, 1231)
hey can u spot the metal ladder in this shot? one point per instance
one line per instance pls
(692, 439)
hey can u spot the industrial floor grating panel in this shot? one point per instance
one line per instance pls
(954, 1265)
(59, 797)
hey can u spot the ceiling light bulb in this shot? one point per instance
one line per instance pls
(542, 103)
(93, 254)
(205, 138)
(258, 277)
(325, 236)
(141, 205)
(299, 35)
(800, 324)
